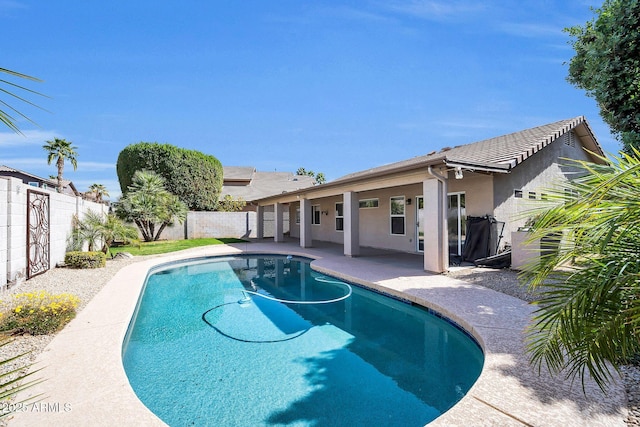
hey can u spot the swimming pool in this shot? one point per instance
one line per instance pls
(206, 347)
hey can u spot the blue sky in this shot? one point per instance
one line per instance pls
(335, 87)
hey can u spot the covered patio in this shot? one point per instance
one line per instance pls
(308, 206)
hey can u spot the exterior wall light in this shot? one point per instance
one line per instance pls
(458, 173)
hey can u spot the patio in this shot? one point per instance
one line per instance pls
(84, 370)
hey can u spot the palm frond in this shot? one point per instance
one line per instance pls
(13, 381)
(5, 117)
(588, 320)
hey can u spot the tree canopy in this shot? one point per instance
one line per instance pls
(319, 177)
(61, 150)
(99, 191)
(195, 177)
(607, 65)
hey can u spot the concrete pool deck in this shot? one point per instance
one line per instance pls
(86, 383)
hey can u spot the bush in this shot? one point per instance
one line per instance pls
(195, 177)
(85, 259)
(37, 313)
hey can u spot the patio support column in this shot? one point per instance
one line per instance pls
(305, 224)
(278, 234)
(351, 233)
(260, 222)
(436, 241)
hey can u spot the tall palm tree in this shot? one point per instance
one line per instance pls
(99, 190)
(588, 318)
(61, 150)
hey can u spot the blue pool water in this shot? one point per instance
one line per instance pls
(200, 351)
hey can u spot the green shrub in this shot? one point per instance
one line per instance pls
(85, 259)
(195, 177)
(37, 313)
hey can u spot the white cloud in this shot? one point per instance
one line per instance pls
(532, 30)
(113, 186)
(26, 163)
(28, 138)
(351, 13)
(10, 5)
(434, 10)
(95, 166)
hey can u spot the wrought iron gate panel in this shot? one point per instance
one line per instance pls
(38, 233)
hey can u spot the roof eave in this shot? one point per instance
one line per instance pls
(482, 167)
(361, 177)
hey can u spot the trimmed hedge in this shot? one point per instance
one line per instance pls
(85, 259)
(195, 177)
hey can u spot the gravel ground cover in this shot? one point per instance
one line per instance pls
(506, 281)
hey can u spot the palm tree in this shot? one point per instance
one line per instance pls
(99, 190)
(150, 206)
(588, 318)
(88, 229)
(112, 229)
(5, 117)
(61, 150)
(96, 229)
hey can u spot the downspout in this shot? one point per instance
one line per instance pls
(444, 250)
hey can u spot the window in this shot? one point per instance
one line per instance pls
(517, 194)
(297, 215)
(315, 214)
(339, 216)
(532, 195)
(397, 215)
(368, 203)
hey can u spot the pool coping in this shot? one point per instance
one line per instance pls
(86, 383)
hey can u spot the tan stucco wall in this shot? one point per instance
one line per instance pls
(375, 228)
(478, 190)
(542, 171)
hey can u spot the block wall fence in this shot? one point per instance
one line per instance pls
(241, 225)
(13, 226)
(62, 208)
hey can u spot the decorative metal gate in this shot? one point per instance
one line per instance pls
(38, 239)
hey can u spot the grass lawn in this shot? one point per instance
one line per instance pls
(165, 246)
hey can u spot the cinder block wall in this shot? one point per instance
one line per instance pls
(241, 225)
(13, 226)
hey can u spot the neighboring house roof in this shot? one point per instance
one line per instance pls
(27, 177)
(249, 184)
(495, 155)
(241, 175)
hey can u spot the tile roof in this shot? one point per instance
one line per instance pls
(498, 154)
(264, 184)
(238, 173)
(66, 184)
(8, 170)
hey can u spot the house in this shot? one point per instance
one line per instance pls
(420, 205)
(247, 183)
(36, 181)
